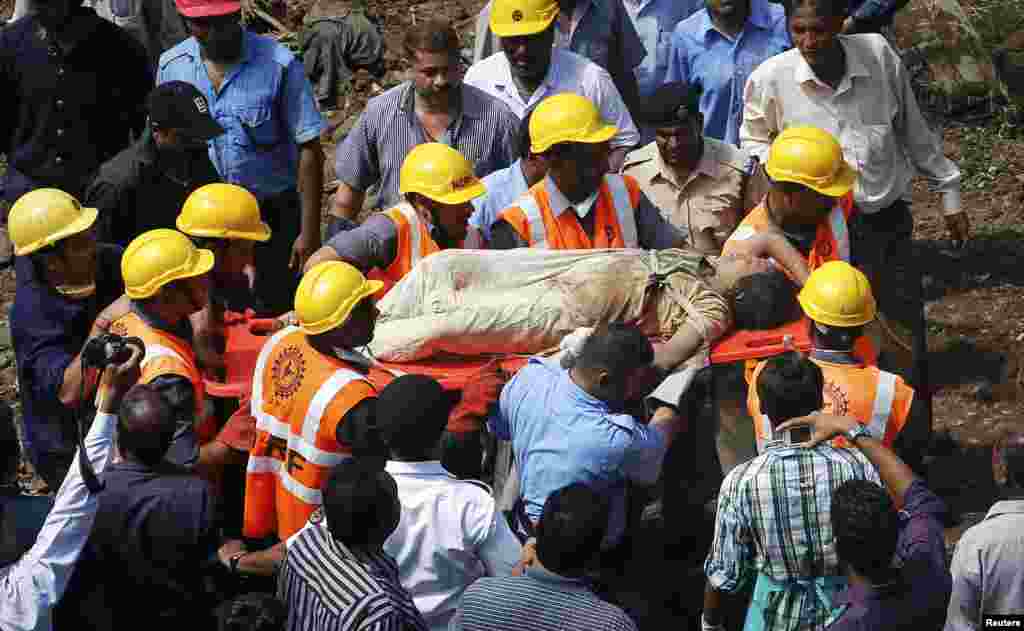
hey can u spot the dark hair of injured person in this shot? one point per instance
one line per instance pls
(764, 300)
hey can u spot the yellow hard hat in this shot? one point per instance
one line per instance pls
(811, 157)
(567, 117)
(440, 173)
(158, 257)
(838, 294)
(45, 216)
(512, 18)
(328, 293)
(223, 211)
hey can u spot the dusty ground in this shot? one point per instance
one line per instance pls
(976, 301)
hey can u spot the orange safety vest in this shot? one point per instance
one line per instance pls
(831, 243)
(876, 398)
(168, 354)
(299, 397)
(414, 243)
(614, 220)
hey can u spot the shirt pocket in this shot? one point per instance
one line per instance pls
(259, 128)
(869, 146)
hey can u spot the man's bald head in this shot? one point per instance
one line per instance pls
(145, 425)
(1010, 453)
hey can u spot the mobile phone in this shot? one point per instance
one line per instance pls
(797, 435)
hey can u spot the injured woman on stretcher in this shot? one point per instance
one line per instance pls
(525, 301)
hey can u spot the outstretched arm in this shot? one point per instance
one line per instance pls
(774, 245)
(681, 346)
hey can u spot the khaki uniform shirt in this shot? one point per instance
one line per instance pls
(710, 197)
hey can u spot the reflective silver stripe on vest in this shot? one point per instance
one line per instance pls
(534, 219)
(413, 219)
(840, 233)
(154, 351)
(763, 431)
(256, 398)
(624, 211)
(882, 408)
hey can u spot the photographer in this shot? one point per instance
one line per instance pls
(31, 587)
(64, 280)
(782, 501)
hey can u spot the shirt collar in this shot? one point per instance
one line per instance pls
(707, 165)
(506, 82)
(854, 67)
(558, 201)
(516, 174)
(182, 330)
(1006, 507)
(354, 357)
(545, 575)
(581, 396)
(466, 106)
(248, 45)
(426, 467)
(147, 148)
(759, 17)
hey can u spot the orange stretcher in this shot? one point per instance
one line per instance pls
(246, 334)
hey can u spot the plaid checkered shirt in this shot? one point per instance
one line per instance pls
(774, 518)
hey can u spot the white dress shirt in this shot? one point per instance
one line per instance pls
(32, 587)
(568, 72)
(988, 568)
(873, 113)
(450, 534)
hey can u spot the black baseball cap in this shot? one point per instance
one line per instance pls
(670, 105)
(179, 105)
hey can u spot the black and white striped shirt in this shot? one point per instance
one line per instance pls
(536, 601)
(485, 132)
(328, 587)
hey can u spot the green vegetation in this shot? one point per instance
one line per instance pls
(981, 158)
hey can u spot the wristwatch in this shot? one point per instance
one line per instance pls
(233, 560)
(857, 431)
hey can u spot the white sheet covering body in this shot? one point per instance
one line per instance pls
(477, 302)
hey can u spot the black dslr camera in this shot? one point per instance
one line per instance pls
(106, 349)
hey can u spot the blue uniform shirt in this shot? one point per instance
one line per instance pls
(504, 186)
(561, 434)
(655, 20)
(265, 105)
(704, 57)
(48, 331)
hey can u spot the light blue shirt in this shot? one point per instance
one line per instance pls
(265, 105)
(561, 435)
(504, 186)
(655, 20)
(702, 56)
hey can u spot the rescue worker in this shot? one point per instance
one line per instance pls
(837, 299)
(225, 219)
(810, 197)
(579, 205)
(64, 278)
(310, 394)
(167, 279)
(438, 184)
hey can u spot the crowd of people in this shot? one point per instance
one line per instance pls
(664, 172)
